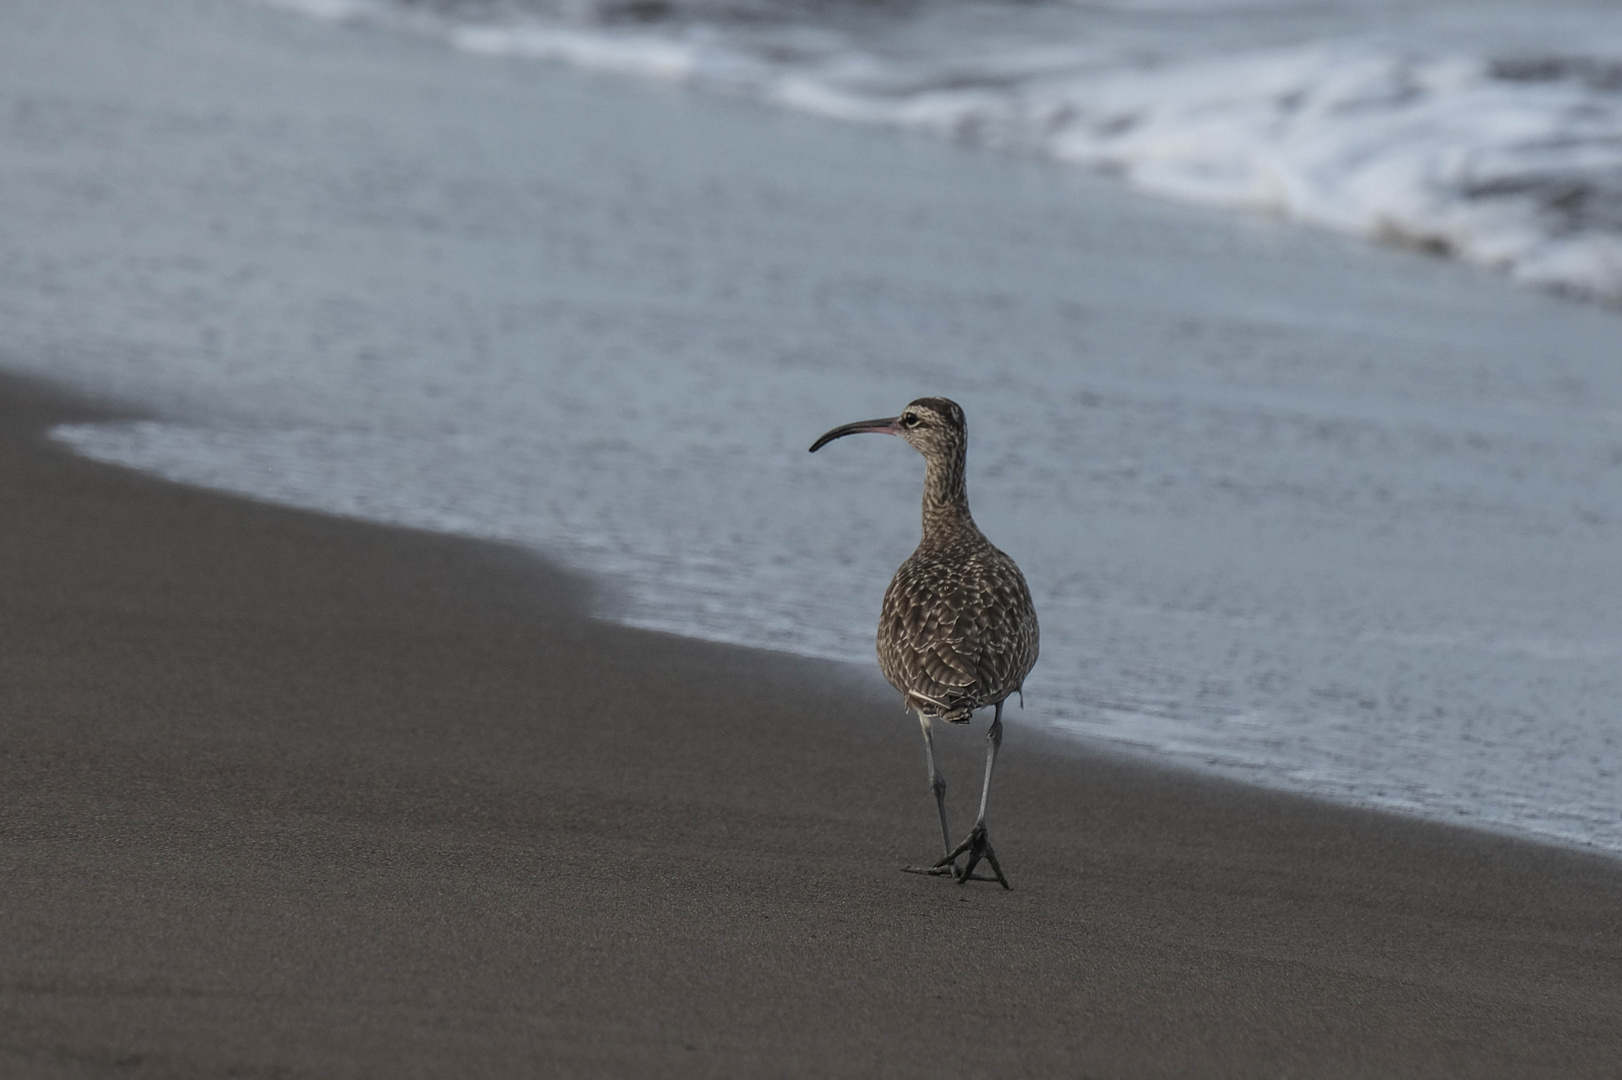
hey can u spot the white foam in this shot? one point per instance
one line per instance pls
(1419, 143)
(1353, 138)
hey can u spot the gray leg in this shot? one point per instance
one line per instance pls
(993, 744)
(978, 845)
(937, 784)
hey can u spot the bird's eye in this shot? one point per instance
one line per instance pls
(910, 420)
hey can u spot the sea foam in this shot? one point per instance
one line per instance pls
(1487, 147)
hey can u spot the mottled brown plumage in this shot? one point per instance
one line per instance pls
(958, 630)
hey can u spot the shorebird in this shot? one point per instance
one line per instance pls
(958, 631)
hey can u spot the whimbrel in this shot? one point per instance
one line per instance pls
(958, 631)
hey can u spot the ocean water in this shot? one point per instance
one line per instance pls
(1298, 510)
(1487, 131)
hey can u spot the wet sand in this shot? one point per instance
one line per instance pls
(1323, 516)
(283, 794)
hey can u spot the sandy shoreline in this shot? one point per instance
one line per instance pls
(288, 794)
(1319, 517)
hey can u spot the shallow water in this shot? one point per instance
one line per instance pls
(1322, 517)
(1487, 131)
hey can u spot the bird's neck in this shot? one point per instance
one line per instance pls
(946, 498)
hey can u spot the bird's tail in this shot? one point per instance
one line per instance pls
(953, 710)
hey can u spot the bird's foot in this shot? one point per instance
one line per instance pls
(976, 847)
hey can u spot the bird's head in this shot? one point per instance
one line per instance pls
(933, 425)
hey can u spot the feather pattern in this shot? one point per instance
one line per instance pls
(958, 630)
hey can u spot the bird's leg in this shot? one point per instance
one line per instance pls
(978, 844)
(993, 744)
(937, 784)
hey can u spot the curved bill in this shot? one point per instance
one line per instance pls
(885, 426)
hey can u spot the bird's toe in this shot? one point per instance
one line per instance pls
(940, 869)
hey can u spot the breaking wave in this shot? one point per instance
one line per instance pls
(1488, 147)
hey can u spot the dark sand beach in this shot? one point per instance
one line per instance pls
(287, 795)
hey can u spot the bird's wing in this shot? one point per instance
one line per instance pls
(957, 633)
(1007, 637)
(933, 635)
